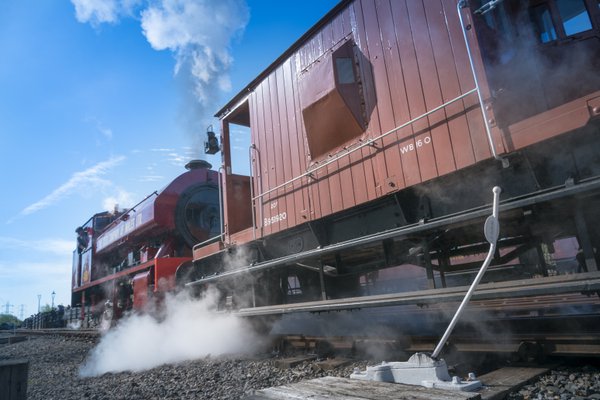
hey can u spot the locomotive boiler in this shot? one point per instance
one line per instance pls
(126, 259)
(375, 140)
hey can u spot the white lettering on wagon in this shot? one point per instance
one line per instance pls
(417, 144)
(275, 218)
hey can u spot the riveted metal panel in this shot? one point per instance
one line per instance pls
(364, 165)
(410, 58)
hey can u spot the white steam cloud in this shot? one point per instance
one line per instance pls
(97, 12)
(191, 329)
(122, 198)
(198, 32)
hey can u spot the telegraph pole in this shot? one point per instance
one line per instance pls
(39, 298)
(21, 311)
(8, 307)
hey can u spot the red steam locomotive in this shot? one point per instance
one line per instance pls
(126, 258)
(375, 141)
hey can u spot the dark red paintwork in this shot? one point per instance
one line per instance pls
(154, 215)
(137, 255)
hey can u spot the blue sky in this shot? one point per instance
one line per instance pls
(102, 102)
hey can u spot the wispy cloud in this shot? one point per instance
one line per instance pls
(151, 173)
(106, 132)
(89, 177)
(177, 159)
(151, 178)
(190, 152)
(97, 12)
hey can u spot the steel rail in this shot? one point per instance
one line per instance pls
(436, 223)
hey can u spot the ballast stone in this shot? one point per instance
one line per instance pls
(420, 369)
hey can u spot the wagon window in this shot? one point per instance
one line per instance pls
(345, 70)
(294, 287)
(543, 21)
(574, 16)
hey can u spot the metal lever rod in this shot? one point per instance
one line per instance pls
(491, 230)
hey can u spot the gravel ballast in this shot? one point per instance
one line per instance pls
(563, 383)
(54, 364)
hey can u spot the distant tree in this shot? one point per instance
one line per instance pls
(8, 321)
(46, 308)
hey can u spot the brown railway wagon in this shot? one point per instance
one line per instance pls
(330, 120)
(369, 68)
(388, 114)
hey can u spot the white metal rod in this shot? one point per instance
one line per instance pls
(488, 130)
(252, 202)
(484, 267)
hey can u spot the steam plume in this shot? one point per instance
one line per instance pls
(191, 329)
(198, 32)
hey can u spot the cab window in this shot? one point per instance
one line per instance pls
(574, 16)
(542, 19)
(561, 19)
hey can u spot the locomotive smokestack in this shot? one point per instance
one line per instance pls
(198, 164)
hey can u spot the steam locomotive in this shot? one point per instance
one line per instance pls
(375, 141)
(125, 259)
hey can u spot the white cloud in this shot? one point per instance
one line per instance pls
(90, 177)
(96, 11)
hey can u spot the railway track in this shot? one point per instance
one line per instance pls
(562, 324)
(73, 333)
(521, 347)
(536, 345)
